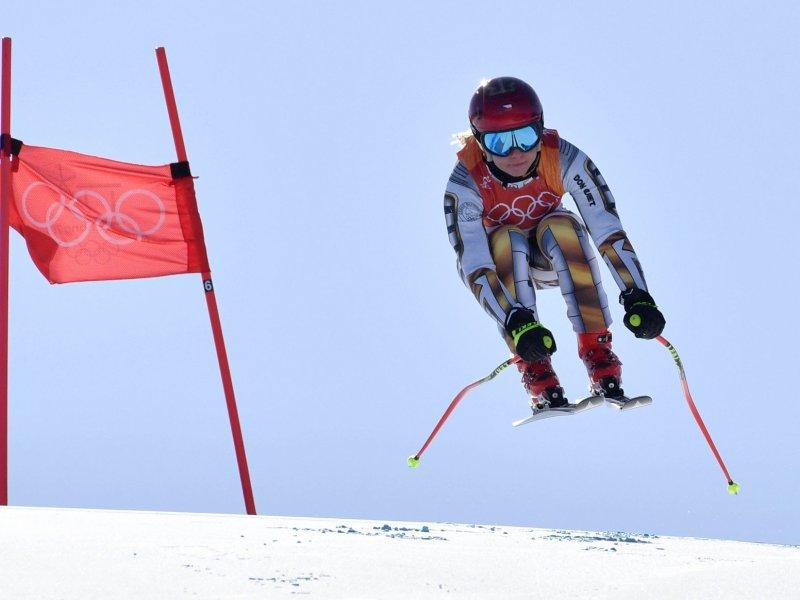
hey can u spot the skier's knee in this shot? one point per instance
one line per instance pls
(560, 230)
(561, 222)
(504, 241)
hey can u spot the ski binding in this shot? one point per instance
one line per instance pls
(544, 411)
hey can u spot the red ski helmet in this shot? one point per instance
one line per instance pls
(504, 103)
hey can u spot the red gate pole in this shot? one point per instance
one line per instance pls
(211, 300)
(5, 199)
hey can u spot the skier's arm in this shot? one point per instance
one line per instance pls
(463, 210)
(596, 205)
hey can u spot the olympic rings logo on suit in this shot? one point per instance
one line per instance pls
(103, 223)
(524, 211)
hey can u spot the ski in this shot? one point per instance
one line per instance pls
(625, 403)
(561, 411)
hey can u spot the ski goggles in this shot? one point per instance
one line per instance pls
(501, 143)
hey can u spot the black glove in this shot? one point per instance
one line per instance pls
(642, 316)
(532, 340)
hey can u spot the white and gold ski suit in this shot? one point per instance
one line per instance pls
(514, 238)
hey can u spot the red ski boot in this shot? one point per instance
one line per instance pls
(542, 384)
(603, 366)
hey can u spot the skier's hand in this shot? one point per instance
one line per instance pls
(642, 316)
(532, 340)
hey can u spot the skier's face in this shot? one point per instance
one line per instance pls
(518, 162)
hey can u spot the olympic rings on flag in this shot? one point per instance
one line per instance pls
(106, 224)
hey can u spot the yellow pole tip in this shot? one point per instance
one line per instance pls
(413, 462)
(733, 488)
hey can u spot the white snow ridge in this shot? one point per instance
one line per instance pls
(91, 554)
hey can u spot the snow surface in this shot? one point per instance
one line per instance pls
(87, 554)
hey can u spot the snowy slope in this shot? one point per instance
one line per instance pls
(89, 554)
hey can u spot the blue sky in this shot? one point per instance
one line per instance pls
(320, 134)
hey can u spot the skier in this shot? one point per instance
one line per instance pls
(512, 236)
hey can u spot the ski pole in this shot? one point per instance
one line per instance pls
(413, 461)
(733, 488)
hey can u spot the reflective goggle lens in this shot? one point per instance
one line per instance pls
(500, 143)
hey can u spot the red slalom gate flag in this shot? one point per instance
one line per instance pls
(86, 218)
